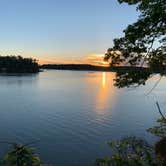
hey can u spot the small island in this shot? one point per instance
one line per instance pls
(18, 64)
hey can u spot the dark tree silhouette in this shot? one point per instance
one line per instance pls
(18, 64)
(144, 41)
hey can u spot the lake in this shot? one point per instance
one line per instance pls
(72, 114)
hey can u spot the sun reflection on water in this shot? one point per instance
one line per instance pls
(104, 80)
(105, 90)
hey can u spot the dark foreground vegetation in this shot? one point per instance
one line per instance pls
(18, 64)
(128, 151)
(144, 42)
(134, 151)
(136, 47)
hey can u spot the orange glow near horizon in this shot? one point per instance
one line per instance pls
(92, 59)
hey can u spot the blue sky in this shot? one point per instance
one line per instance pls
(61, 29)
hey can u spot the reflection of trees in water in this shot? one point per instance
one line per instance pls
(18, 79)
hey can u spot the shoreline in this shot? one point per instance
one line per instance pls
(86, 67)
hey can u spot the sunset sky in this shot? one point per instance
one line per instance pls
(62, 31)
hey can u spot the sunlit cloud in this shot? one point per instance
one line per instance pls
(58, 61)
(93, 59)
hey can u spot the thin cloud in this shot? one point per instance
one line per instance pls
(93, 59)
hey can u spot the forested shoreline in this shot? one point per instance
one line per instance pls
(18, 64)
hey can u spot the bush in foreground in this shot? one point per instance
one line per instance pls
(133, 151)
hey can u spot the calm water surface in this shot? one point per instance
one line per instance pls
(74, 113)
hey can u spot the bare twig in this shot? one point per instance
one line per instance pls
(158, 106)
(155, 85)
(148, 52)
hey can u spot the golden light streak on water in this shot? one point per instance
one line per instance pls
(103, 80)
(103, 83)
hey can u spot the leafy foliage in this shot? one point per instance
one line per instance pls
(160, 150)
(144, 41)
(129, 151)
(159, 130)
(131, 77)
(21, 156)
(133, 151)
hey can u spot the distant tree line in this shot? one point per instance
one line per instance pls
(18, 64)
